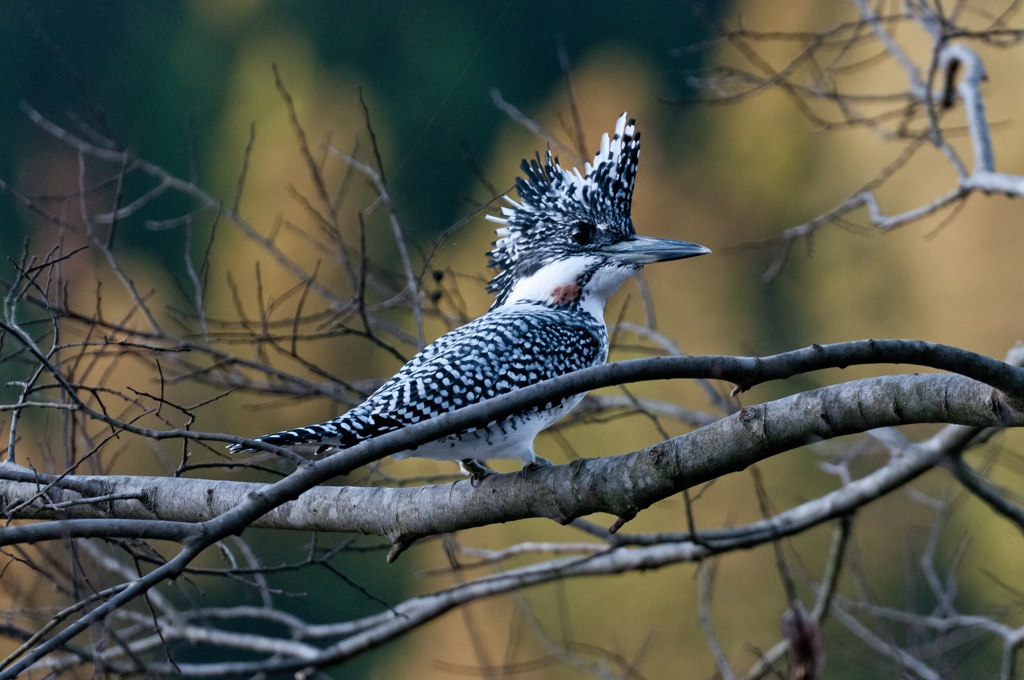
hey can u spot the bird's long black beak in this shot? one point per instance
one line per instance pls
(645, 250)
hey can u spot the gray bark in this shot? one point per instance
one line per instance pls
(157, 507)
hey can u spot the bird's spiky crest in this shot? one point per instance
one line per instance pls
(552, 199)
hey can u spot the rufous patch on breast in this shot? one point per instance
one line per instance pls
(567, 294)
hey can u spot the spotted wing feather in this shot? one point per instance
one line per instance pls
(502, 351)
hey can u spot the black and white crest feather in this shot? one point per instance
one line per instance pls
(553, 199)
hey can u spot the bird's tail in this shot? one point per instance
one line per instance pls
(310, 434)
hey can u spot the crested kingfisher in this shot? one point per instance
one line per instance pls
(563, 249)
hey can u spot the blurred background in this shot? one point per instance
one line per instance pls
(189, 85)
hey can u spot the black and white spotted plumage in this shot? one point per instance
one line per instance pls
(489, 356)
(563, 249)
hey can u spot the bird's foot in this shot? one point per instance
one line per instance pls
(537, 463)
(475, 469)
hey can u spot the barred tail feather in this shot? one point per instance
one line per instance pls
(310, 434)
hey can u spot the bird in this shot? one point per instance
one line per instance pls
(562, 250)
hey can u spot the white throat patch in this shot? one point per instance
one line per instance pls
(558, 283)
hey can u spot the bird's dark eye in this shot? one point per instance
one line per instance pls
(583, 233)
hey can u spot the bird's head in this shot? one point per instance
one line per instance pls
(570, 237)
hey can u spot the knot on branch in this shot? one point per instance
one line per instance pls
(1005, 408)
(752, 420)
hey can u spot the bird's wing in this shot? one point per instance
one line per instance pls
(495, 354)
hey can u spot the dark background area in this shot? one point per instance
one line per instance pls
(159, 73)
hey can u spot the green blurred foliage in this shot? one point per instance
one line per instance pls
(160, 73)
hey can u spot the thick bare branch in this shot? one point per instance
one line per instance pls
(621, 485)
